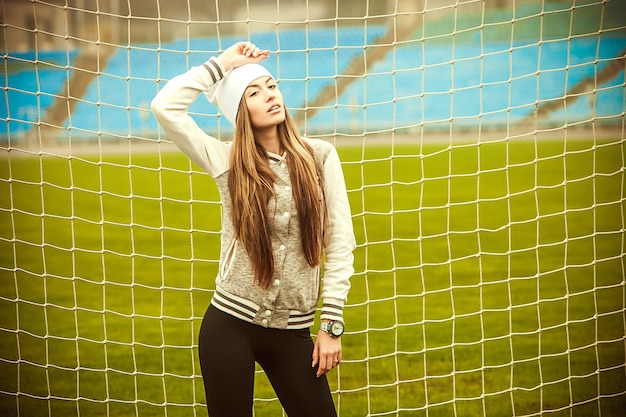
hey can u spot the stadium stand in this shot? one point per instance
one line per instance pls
(422, 83)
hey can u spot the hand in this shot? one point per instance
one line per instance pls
(240, 54)
(326, 353)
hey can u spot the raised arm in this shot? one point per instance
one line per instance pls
(171, 105)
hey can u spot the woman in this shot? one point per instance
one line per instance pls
(285, 211)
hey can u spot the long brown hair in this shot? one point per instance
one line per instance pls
(251, 185)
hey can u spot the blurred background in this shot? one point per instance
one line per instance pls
(84, 70)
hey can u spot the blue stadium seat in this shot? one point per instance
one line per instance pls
(432, 83)
(31, 82)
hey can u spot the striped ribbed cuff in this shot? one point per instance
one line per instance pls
(332, 309)
(215, 69)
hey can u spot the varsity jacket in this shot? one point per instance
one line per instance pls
(292, 299)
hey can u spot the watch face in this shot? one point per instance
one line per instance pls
(337, 328)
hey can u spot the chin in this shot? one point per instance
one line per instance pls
(279, 119)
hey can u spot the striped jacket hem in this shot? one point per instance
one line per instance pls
(251, 312)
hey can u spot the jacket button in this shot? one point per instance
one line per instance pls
(264, 322)
(276, 282)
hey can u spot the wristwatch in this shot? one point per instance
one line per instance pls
(333, 328)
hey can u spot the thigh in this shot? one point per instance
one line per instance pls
(227, 363)
(286, 359)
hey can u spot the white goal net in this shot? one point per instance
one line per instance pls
(483, 145)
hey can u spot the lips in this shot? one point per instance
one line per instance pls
(274, 108)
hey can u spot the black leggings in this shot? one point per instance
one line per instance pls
(229, 348)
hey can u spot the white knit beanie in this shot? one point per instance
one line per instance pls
(226, 93)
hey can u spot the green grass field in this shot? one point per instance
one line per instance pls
(490, 281)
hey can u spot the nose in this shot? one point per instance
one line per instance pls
(269, 94)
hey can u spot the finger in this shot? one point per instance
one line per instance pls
(330, 362)
(324, 365)
(315, 355)
(245, 48)
(322, 369)
(258, 53)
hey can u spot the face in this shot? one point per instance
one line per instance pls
(265, 103)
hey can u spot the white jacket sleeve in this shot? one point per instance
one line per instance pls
(170, 108)
(339, 241)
